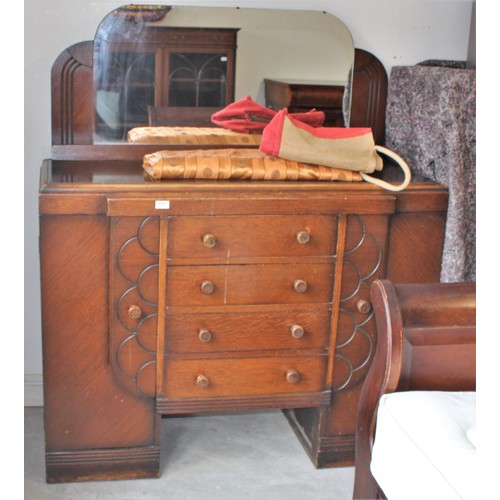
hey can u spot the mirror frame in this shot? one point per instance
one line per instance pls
(73, 101)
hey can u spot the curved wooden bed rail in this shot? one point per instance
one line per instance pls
(426, 339)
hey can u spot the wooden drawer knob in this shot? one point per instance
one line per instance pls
(134, 312)
(297, 331)
(292, 376)
(303, 237)
(363, 306)
(204, 335)
(207, 287)
(300, 286)
(202, 382)
(209, 240)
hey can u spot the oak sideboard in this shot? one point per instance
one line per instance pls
(181, 297)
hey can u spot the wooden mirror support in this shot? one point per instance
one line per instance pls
(73, 96)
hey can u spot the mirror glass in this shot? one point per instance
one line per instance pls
(176, 65)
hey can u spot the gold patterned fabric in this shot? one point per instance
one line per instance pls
(191, 135)
(249, 164)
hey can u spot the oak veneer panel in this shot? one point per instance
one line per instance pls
(84, 405)
(415, 237)
(73, 101)
(86, 204)
(250, 203)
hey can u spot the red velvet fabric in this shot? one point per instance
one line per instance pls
(247, 116)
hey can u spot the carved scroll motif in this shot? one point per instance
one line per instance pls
(134, 298)
(363, 262)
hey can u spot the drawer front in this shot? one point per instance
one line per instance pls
(251, 237)
(244, 377)
(217, 332)
(249, 284)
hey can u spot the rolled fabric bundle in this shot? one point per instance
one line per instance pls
(244, 164)
(191, 136)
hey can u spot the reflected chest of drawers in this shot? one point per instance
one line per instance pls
(185, 297)
(300, 96)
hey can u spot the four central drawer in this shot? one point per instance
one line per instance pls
(248, 308)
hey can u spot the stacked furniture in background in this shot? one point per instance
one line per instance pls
(431, 123)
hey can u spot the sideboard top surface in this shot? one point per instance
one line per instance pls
(104, 175)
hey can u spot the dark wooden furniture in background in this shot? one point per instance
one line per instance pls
(426, 341)
(183, 116)
(369, 94)
(366, 96)
(302, 96)
(173, 67)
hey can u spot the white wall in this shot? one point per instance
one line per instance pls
(398, 32)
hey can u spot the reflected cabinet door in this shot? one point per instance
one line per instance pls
(178, 69)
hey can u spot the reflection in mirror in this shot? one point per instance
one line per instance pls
(176, 66)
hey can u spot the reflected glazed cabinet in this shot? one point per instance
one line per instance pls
(163, 298)
(173, 67)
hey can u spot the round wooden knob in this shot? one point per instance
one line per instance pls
(209, 240)
(202, 382)
(363, 306)
(303, 237)
(207, 287)
(204, 335)
(134, 312)
(292, 376)
(297, 331)
(300, 286)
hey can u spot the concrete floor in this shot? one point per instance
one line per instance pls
(228, 456)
